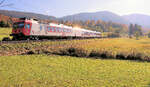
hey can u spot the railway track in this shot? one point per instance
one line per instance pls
(27, 41)
(44, 40)
(13, 42)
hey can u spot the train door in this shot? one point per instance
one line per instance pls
(27, 28)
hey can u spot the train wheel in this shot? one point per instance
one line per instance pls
(28, 38)
(36, 38)
(14, 38)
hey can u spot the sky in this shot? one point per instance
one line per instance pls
(60, 8)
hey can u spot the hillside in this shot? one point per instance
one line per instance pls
(103, 15)
(140, 19)
(106, 16)
(18, 14)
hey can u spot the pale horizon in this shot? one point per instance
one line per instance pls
(62, 8)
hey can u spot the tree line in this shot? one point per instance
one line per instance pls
(135, 31)
(4, 24)
(114, 29)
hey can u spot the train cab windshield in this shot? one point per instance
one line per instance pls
(18, 25)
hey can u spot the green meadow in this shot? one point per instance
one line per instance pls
(5, 32)
(109, 62)
(66, 71)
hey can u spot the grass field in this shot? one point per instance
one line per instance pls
(64, 71)
(87, 69)
(5, 32)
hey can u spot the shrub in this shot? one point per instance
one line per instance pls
(95, 53)
(72, 51)
(113, 35)
(30, 52)
(101, 54)
(134, 56)
(78, 52)
(120, 56)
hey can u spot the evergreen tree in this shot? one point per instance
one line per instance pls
(2, 24)
(137, 35)
(138, 29)
(131, 30)
(7, 24)
(149, 35)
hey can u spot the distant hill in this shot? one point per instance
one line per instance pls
(17, 14)
(140, 19)
(102, 15)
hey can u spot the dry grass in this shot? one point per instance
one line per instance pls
(119, 48)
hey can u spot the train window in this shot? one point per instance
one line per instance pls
(59, 29)
(27, 26)
(18, 25)
(64, 30)
(52, 29)
(70, 31)
(41, 27)
(56, 29)
(49, 28)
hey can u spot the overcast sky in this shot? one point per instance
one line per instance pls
(61, 8)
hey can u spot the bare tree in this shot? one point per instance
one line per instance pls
(2, 4)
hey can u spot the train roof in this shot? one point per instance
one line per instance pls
(87, 30)
(57, 25)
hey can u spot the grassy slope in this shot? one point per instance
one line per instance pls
(63, 71)
(4, 32)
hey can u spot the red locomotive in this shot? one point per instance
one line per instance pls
(32, 29)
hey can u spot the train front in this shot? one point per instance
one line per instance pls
(21, 29)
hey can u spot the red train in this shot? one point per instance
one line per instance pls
(31, 29)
